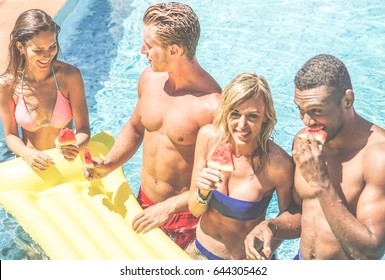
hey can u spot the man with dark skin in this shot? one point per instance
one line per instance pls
(340, 186)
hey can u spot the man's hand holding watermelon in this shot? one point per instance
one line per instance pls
(308, 155)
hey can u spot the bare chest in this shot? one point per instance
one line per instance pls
(346, 176)
(174, 116)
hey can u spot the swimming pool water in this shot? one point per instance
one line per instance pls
(270, 38)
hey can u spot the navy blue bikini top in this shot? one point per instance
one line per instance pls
(238, 209)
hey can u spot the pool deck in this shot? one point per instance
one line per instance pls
(10, 10)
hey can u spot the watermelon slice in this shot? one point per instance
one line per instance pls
(66, 137)
(87, 159)
(222, 158)
(319, 134)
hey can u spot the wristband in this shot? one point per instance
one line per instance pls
(201, 199)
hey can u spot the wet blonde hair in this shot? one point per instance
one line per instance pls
(241, 89)
(175, 23)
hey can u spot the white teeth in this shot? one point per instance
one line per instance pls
(242, 133)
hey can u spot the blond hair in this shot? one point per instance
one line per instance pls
(175, 23)
(241, 89)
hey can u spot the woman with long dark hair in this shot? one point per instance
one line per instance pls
(39, 93)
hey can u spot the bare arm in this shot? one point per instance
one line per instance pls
(72, 77)
(203, 178)
(259, 242)
(79, 107)
(361, 235)
(34, 158)
(125, 146)
(127, 143)
(11, 134)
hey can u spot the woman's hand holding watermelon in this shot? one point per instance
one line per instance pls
(220, 166)
(208, 179)
(66, 144)
(70, 152)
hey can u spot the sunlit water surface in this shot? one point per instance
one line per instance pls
(270, 38)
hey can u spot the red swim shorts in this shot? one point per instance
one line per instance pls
(181, 226)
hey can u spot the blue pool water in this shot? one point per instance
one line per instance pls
(270, 38)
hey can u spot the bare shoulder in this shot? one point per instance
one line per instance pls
(148, 79)
(207, 94)
(374, 160)
(65, 69)
(5, 87)
(146, 74)
(67, 76)
(277, 155)
(374, 151)
(207, 137)
(208, 86)
(5, 82)
(377, 134)
(207, 132)
(280, 162)
(209, 101)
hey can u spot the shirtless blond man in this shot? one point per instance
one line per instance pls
(176, 97)
(341, 185)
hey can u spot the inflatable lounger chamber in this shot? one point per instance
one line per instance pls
(72, 218)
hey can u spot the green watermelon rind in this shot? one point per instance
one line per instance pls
(65, 137)
(320, 139)
(87, 159)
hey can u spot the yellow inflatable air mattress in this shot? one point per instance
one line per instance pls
(72, 218)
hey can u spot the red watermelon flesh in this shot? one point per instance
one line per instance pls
(87, 159)
(66, 137)
(222, 158)
(319, 134)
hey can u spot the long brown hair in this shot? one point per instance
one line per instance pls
(27, 25)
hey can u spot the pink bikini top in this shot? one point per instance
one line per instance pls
(61, 115)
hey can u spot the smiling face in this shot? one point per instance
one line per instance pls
(319, 108)
(245, 120)
(40, 50)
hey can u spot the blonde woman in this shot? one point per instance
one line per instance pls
(230, 204)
